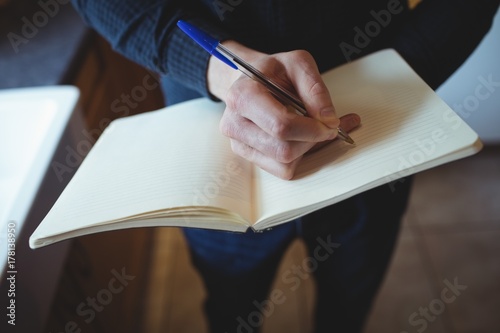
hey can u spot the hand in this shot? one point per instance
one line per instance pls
(260, 128)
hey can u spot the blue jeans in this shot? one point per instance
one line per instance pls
(349, 247)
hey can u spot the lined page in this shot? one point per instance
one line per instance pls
(405, 128)
(174, 157)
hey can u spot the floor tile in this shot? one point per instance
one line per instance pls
(464, 193)
(410, 216)
(294, 315)
(161, 281)
(186, 304)
(473, 259)
(406, 288)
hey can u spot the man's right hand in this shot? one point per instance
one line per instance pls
(260, 128)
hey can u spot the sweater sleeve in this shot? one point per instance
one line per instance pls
(440, 34)
(146, 32)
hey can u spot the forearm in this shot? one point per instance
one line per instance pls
(441, 34)
(146, 32)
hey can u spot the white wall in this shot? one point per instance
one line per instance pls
(477, 102)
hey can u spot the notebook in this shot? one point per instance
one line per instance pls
(172, 167)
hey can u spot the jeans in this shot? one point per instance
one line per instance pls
(349, 247)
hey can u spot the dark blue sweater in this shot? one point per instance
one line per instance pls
(435, 38)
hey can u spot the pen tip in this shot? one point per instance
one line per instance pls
(345, 136)
(350, 140)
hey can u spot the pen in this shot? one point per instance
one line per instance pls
(216, 49)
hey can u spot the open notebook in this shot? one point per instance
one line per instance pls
(172, 167)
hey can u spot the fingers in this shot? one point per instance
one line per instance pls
(310, 87)
(271, 116)
(277, 157)
(348, 122)
(269, 164)
(242, 129)
(266, 132)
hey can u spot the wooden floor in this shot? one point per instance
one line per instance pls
(451, 232)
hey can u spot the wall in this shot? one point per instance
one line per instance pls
(477, 102)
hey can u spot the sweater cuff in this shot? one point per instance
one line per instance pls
(187, 62)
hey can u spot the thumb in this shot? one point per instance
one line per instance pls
(312, 90)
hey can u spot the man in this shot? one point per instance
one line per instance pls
(358, 233)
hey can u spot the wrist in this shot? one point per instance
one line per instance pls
(220, 77)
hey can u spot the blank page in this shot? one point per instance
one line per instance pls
(405, 128)
(174, 157)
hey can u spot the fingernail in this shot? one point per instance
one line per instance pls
(328, 115)
(355, 120)
(328, 112)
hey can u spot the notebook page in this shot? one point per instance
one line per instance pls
(405, 128)
(145, 163)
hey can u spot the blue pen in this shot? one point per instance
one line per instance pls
(214, 47)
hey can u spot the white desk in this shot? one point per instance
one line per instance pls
(36, 124)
